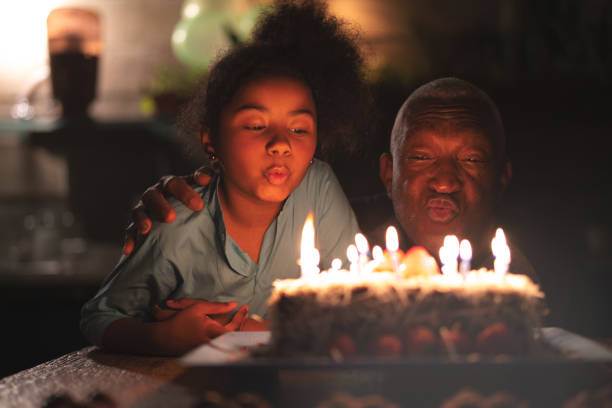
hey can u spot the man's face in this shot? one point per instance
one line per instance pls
(444, 180)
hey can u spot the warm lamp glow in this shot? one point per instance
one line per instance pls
(23, 41)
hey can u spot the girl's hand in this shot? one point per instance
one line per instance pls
(217, 312)
(255, 323)
(191, 325)
(153, 203)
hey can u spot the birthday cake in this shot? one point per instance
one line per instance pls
(410, 309)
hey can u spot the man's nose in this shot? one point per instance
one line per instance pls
(445, 177)
(279, 144)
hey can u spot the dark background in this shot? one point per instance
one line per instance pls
(550, 72)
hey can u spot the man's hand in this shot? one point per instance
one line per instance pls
(153, 203)
(191, 323)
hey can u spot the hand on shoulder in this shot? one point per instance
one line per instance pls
(153, 205)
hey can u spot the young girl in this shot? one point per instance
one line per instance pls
(265, 109)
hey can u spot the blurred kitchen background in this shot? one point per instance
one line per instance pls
(89, 90)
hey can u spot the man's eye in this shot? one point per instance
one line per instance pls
(419, 157)
(298, 131)
(254, 127)
(473, 160)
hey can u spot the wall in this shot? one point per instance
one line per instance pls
(136, 37)
(137, 41)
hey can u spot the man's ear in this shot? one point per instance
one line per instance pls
(386, 171)
(505, 175)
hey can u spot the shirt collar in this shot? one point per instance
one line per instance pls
(237, 259)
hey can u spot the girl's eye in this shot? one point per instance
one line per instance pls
(298, 131)
(261, 127)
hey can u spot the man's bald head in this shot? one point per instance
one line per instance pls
(449, 103)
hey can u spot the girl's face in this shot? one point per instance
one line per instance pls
(267, 137)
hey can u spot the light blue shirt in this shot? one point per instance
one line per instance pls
(194, 257)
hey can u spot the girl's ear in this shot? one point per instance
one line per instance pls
(205, 141)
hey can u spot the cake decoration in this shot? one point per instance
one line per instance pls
(404, 304)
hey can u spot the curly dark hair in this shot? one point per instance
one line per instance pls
(300, 40)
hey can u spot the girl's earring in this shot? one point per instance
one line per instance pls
(213, 160)
(310, 161)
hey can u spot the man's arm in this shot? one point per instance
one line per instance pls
(153, 203)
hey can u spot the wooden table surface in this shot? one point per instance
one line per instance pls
(146, 382)
(129, 380)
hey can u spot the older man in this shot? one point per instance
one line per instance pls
(448, 168)
(445, 174)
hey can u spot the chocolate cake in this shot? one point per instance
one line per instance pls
(345, 314)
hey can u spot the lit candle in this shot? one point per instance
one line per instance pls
(378, 258)
(377, 254)
(309, 255)
(448, 255)
(392, 243)
(353, 257)
(363, 248)
(501, 252)
(465, 253)
(336, 264)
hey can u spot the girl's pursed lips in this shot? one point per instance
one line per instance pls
(277, 174)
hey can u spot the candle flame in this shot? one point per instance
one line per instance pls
(362, 243)
(392, 240)
(377, 254)
(465, 250)
(442, 254)
(308, 235)
(451, 243)
(352, 254)
(336, 263)
(308, 259)
(499, 246)
(499, 234)
(316, 256)
(448, 255)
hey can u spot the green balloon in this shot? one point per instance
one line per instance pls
(244, 24)
(197, 41)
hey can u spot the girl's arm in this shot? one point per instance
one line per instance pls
(184, 330)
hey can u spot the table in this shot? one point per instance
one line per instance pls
(146, 382)
(130, 380)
